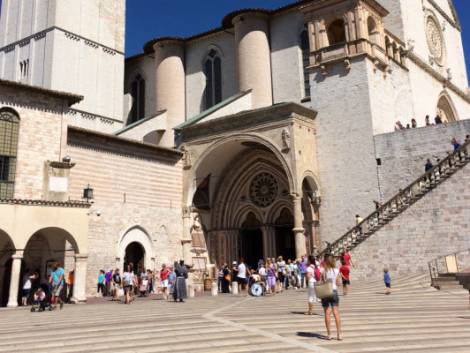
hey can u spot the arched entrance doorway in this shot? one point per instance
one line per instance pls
(445, 109)
(135, 246)
(135, 255)
(237, 185)
(251, 241)
(285, 240)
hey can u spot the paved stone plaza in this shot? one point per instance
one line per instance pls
(415, 318)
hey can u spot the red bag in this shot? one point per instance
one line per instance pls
(317, 273)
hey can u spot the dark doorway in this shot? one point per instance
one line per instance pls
(135, 254)
(251, 241)
(6, 283)
(251, 246)
(285, 240)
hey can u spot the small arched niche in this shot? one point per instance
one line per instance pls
(336, 32)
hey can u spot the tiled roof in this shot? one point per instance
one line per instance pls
(25, 202)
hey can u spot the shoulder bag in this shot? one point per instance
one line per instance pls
(323, 288)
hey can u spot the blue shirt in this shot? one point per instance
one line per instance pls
(387, 278)
(56, 276)
(101, 278)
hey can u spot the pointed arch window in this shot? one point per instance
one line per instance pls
(9, 129)
(138, 99)
(213, 73)
(305, 47)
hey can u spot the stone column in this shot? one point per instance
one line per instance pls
(79, 284)
(15, 279)
(186, 240)
(300, 246)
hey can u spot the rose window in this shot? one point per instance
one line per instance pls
(435, 39)
(263, 189)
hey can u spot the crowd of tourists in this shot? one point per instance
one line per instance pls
(413, 124)
(169, 281)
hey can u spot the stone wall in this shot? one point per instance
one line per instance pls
(286, 57)
(40, 132)
(78, 47)
(346, 157)
(134, 187)
(434, 226)
(404, 153)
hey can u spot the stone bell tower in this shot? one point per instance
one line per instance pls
(73, 46)
(349, 65)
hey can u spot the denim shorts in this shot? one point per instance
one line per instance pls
(330, 301)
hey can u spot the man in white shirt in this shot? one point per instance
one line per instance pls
(242, 275)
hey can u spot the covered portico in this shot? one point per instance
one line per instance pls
(34, 234)
(252, 179)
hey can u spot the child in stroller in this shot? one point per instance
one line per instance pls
(41, 300)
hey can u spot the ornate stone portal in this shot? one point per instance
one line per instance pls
(253, 167)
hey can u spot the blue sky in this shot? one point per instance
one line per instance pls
(147, 19)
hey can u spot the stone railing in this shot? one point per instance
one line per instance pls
(401, 201)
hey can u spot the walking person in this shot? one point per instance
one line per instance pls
(108, 279)
(57, 283)
(181, 272)
(171, 280)
(242, 276)
(281, 272)
(344, 271)
(311, 279)
(69, 282)
(128, 283)
(331, 304)
(271, 277)
(117, 283)
(164, 274)
(303, 270)
(26, 290)
(101, 283)
(226, 279)
(387, 281)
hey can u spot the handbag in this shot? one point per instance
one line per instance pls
(228, 278)
(324, 289)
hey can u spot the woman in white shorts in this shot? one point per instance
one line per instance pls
(164, 274)
(312, 298)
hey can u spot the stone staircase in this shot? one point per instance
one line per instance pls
(451, 271)
(401, 201)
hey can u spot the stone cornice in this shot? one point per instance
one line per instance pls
(36, 36)
(91, 116)
(426, 67)
(68, 97)
(26, 202)
(246, 119)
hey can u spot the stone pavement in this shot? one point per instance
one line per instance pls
(414, 318)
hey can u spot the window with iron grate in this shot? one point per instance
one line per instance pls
(9, 128)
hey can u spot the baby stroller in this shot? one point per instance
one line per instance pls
(256, 286)
(41, 299)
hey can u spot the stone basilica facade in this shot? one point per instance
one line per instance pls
(266, 135)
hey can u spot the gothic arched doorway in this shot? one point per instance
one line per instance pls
(135, 254)
(251, 240)
(445, 109)
(285, 240)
